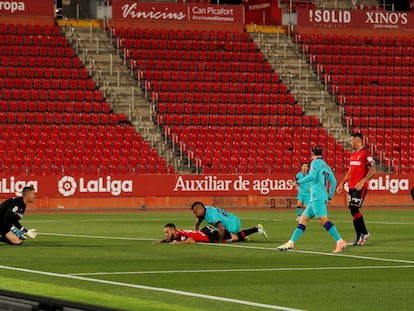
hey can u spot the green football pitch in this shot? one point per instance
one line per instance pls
(109, 259)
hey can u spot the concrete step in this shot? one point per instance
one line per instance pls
(122, 90)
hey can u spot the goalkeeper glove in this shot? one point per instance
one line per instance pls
(32, 233)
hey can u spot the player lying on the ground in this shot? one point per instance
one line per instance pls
(206, 235)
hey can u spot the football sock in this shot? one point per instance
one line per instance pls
(298, 232)
(330, 227)
(299, 210)
(244, 233)
(359, 224)
(355, 215)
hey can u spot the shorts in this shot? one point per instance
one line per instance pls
(303, 197)
(356, 197)
(212, 234)
(316, 207)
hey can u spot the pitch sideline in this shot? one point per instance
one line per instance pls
(151, 288)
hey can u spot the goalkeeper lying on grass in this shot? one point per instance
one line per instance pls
(11, 211)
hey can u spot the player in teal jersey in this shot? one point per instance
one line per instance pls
(220, 219)
(303, 196)
(320, 176)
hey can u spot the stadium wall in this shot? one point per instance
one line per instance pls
(179, 191)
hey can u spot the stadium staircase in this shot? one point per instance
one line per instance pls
(103, 61)
(303, 82)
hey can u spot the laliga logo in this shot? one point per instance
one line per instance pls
(67, 186)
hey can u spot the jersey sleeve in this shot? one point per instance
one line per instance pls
(369, 160)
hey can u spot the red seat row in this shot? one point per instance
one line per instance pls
(210, 76)
(390, 100)
(54, 106)
(363, 50)
(59, 118)
(45, 61)
(29, 29)
(229, 109)
(46, 83)
(51, 95)
(43, 72)
(199, 66)
(194, 45)
(224, 87)
(172, 34)
(223, 98)
(236, 120)
(185, 55)
(27, 40)
(36, 50)
(354, 40)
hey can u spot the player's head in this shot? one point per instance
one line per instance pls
(198, 209)
(304, 167)
(170, 232)
(317, 151)
(356, 140)
(28, 194)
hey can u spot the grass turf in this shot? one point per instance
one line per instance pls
(110, 260)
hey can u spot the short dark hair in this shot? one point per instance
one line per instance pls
(195, 204)
(170, 225)
(357, 134)
(317, 150)
(27, 189)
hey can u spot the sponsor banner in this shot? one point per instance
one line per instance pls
(176, 12)
(28, 8)
(355, 19)
(178, 185)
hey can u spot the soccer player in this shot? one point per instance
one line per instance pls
(321, 176)
(361, 169)
(220, 219)
(205, 235)
(11, 211)
(303, 191)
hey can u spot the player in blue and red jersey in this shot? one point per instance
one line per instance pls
(361, 170)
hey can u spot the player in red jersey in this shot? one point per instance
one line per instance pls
(205, 235)
(361, 169)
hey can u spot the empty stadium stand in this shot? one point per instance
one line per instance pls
(218, 101)
(54, 119)
(371, 77)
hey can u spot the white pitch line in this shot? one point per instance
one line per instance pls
(310, 252)
(244, 270)
(237, 246)
(151, 288)
(95, 236)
